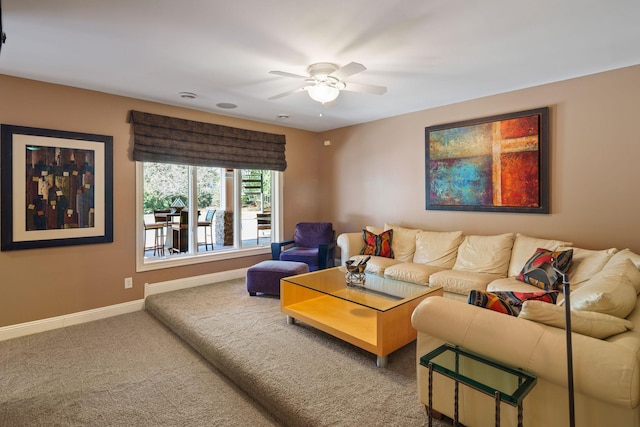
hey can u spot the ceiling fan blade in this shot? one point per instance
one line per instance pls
(348, 70)
(365, 88)
(285, 74)
(287, 93)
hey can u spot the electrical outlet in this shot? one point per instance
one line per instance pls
(128, 282)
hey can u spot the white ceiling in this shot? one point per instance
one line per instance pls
(426, 52)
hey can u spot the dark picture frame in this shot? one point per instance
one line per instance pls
(56, 188)
(492, 164)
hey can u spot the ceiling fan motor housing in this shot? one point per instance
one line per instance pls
(321, 70)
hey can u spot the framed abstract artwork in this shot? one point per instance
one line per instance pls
(493, 164)
(56, 189)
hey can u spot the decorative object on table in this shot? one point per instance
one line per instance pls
(492, 164)
(567, 315)
(57, 188)
(355, 271)
(178, 204)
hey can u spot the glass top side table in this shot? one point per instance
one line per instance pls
(504, 383)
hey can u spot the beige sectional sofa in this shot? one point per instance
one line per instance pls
(605, 321)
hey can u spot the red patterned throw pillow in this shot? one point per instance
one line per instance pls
(508, 302)
(538, 270)
(377, 244)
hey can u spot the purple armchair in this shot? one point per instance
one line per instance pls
(313, 243)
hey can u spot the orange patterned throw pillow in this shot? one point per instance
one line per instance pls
(508, 302)
(377, 244)
(539, 272)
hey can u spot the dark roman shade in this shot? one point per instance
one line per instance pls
(165, 139)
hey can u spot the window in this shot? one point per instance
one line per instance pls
(190, 214)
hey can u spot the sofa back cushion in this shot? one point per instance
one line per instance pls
(590, 323)
(611, 291)
(524, 247)
(587, 263)
(621, 258)
(485, 254)
(404, 242)
(623, 255)
(437, 248)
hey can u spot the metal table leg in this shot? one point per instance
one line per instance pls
(497, 408)
(429, 413)
(382, 361)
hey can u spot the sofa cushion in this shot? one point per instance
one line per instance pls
(461, 281)
(511, 284)
(485, 254)
(586, 263)
(437, 248)
(410, 272)
(524, 246)
(624, 254)
(508, 302)
(611, 291)
(590, 323)
(377, 244)
(376, 264)
(538, 271)
(621, 257)
(404, 242)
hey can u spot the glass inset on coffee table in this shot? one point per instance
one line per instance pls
(504, 383)
(375, 317)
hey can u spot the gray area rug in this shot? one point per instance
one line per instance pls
(127, 370)
(301, 375)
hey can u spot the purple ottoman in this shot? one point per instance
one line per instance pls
(265, 276)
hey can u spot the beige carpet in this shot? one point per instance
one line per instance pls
(131, 370)
(127, 370)
(301, 375)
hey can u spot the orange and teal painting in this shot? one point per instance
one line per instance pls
(492, 164)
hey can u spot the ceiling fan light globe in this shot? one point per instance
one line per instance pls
(323, 92)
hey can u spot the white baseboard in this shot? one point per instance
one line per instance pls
(191, 282)
(28, 328)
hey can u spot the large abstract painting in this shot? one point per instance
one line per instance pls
(494, 164)
(57, 188)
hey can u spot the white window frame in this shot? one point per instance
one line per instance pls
(150, 264)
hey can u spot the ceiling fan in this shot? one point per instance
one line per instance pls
(326, 80)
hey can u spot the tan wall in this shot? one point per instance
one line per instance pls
(377, 170)
(42, 283)
(370, 174)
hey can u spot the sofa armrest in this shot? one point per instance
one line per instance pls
(276, 248)
(350, 244)
(602, 370)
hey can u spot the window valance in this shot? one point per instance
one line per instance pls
(166, 139)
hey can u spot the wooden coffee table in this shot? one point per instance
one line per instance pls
(375, 317)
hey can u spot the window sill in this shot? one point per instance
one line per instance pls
(189, 259)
